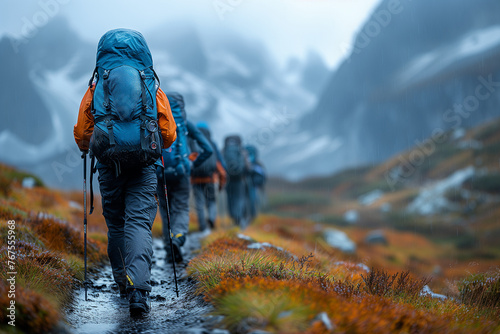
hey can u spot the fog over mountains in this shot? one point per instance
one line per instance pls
(410, 65)
(229, 82)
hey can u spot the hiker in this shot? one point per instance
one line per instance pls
(256, 179)
(237, 168)
(125, 119)
(203, 180)
(178, 162)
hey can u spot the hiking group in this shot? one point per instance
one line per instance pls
(148, 155)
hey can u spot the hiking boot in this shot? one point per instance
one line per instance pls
(211, 224)
(176, 244)
(123, 291)
(139, 302)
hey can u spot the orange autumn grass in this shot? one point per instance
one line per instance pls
(288, 290)
(48, 252)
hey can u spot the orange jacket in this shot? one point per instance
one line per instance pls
(85, 123)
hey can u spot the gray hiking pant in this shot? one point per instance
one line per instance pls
(236, 201)
(178, 202)
(204, 196)
(129, 207)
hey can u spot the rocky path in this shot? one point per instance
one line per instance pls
(106, 312)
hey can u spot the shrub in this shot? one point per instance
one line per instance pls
(380, 283)
(34, 314)
(481, 290)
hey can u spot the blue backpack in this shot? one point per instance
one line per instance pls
(209, 166)
(126, 132)
(176, 158)
(257, 172)
(234, 156)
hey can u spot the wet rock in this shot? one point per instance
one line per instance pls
(284, 314)
(220, 331)
(340, 240)
(195, 331)
(427, 291)
(160, 298)
(351, 216)
(28, 182)
(386, 207)
(153, 283)
(323, 317)
(376, 237)
(371, 197)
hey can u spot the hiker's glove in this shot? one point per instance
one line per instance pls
(84, 153)
(193, 156)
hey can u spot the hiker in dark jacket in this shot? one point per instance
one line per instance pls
(237, 168)
(204, 178)
(128, 192)
(178, 187)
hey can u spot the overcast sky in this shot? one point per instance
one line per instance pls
(287, 27)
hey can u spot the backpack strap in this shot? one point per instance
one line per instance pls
(156, 76)
(108, 119)
(145, 107)
(95, 76)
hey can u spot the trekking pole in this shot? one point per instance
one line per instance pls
(169, 228)
(84, 157)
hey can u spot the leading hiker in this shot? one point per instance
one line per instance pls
(125, 120)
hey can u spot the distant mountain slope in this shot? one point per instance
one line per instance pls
(405, 73)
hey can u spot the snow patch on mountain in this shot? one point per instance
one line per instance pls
(432, 200)
(429, 64)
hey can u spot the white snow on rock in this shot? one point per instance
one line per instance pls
(359, 265)
(262, 245)
(28, 182)
(351, 216)
(432, 199)
(323, 317)
(75, 205)
(340, 240)
(244, 237)
(371, 197)
(427, 291)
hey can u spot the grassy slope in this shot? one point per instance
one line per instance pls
(457, 242)
(286, 292)
(48, 251)
(292, 288)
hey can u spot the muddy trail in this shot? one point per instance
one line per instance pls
(106, 312)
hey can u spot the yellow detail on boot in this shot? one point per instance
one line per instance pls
(130, 280)
(178, 235)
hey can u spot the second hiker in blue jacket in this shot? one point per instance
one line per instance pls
(177, 172)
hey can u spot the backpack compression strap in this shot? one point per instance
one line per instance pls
(146, 122)
(108, 119)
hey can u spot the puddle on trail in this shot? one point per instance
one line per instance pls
(106, 312)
